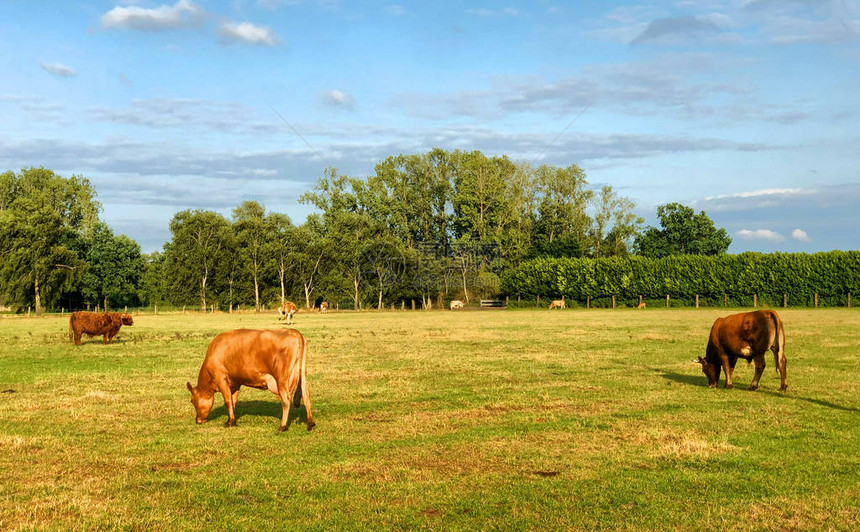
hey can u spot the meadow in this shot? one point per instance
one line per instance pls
(437, 420)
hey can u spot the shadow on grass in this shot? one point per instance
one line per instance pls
(260, 409)
(701, 381)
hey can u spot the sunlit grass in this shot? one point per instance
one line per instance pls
(467, 420)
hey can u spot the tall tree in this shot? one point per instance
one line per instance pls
(683, 232)
(563, 197)
(614, 225)
(251, 235)
(280, 247)
(114, 267)
(43, 218)
(194, 253)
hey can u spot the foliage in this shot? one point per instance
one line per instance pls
(114, 268)
(795, 275)
(43, 217)
(683, 233)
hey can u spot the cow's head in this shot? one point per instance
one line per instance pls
(127, 319)
(711, 371)
(202, 403)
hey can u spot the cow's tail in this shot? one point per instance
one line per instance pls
(778, 349)
(303, 382)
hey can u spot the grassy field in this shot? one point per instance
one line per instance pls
(440, 420)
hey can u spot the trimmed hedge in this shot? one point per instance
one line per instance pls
(832, 275)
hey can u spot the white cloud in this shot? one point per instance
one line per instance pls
(338, 98)
(507, 11)
(800, 234)
(247, 33)
(59, 70)
(184, 13)
(760, 234)
(395, 10)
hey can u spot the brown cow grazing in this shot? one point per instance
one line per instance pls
(456, 303)
(106, 324)
(273, 360)
(287, 310)
(323, 307)
(747, 335)
(558, 303)
(641, 305)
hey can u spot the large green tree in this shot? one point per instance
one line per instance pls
(252, 237)
(43, 219)
(194, 254)
(114, 268)
(682, 232)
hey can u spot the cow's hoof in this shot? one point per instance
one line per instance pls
(753, 387)
(728, 386)
(230, 424)
(282, 428)
(311, 425)
(712, 386)
(783, 388)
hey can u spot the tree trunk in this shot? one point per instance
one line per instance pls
(38, 298)
(256, 293)
(106, 306)
(203, 294)
(465, 290)
(282, 271)
(355, 297)
(379, 306)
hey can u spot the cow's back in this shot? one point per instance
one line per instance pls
(245, 353)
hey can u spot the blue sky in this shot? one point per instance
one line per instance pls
(747, 109)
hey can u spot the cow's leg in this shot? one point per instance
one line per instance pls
(724, 360)
(286, 394)
(234, 396)
(779, 358)
(733, 361)
(227, 393)
(759, 369)
(297, 397)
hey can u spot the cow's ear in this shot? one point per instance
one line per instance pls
(188, 385)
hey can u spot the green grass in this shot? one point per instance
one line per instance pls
(440, 420)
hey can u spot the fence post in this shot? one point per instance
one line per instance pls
(667, 300)
(155, 307)
(784, 300)
(506, 301)
(587, 301)
(183, 309)
(613, 301)
(413, 304)
(538, 301)
(816, 299)
(697, 300)
(725, 300)
(63, 311)
(849, 299)
(640, 299)
(28, 311)
(755, 300)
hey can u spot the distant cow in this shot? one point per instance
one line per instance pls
(558, 303)
(324, 307)
(287, 310)
(747, 335)
(105, 324)
(456, 303)
(641, 305)
(273, 360)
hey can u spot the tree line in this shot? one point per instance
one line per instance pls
(775, 278)
(423, 227)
